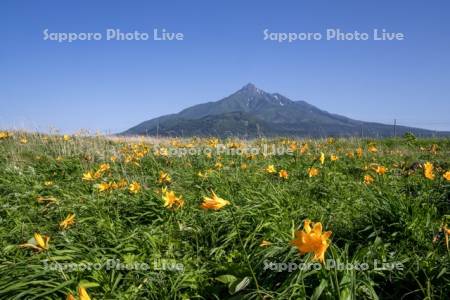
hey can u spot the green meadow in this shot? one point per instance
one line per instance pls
(92, 213)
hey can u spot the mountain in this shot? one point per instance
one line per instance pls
(251, 112)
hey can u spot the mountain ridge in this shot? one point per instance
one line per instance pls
(251, 112)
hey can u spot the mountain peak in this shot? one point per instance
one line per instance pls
(250, 97)
(250, 88)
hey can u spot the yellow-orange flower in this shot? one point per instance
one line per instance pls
(88, 176)
(104, 167)
(164, 178)
(171, 200)
(271, 169)
(447, 175)
(103, 187)
(98, 174)
(213, 142)
(372, 149)
(42, 241)
(68, 221)
(428, 170)
(359, 152)
(70, 297)
(4, 135)
(113, 185)
(304, 148)
(313, 172)
(334, 157)
(380, 170)
(38, 243)
(82, 293)
(283, 174)
(322, 158)
(162, 152)
(312, 240)
(122, 183)
(48, 183)
(134, 187)
(66, 137)
(368, 179)
(214, 202)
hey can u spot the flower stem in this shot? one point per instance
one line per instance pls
(245, 254)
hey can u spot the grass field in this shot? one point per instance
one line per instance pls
(95, 218)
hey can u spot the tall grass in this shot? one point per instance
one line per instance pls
(394, 219)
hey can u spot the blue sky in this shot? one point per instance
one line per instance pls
(113, 85)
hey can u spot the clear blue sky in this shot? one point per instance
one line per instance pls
(111, 85)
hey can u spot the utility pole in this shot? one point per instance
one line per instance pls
(395, 127)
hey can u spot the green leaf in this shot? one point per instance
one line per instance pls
(319, 289)
(239, 286)
(87, 284)
(227, 279)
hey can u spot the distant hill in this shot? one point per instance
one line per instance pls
(251, 112)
